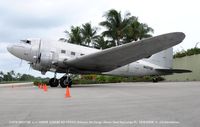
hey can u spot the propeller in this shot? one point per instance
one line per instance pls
(30, 66)
(20, 64)
(38, 58)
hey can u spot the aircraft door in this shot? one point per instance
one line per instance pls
(54, 57)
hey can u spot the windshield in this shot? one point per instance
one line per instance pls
(26, 41)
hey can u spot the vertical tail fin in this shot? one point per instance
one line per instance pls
(163, 58)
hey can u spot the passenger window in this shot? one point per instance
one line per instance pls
(73, 53)
(63, 51)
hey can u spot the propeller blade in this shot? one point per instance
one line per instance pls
(39, 53)
(20, 64)
(29, 66)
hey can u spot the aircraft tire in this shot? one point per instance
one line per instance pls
(53, 82)
(64, 82)
(155, 80)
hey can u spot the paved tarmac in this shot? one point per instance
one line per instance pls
(16, 84)
(166, 104)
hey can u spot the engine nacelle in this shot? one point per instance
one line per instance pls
(38, 67)
(51, 59)
(46, 59)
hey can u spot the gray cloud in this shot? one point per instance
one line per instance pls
(31, 14)
(45, 18)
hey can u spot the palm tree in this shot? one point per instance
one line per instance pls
(101, 43)
(1, 76)
(126, 29)
(8, 76)
(137, 31)
(132, 32)
(88, 33)
(12, 74)
(119, 30)
(145, 31)
(18, 76)
(74, 36)
(115, 25)
(1, 73)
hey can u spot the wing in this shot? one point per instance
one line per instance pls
(112, 58)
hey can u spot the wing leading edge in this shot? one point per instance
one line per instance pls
(112, 58)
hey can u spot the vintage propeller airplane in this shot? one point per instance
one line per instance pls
(151, 56)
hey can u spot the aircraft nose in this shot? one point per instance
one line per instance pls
(16, 50)
(21, 51)
(10, 48)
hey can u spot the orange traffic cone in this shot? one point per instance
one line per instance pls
(45, 88)
(38, 85)
(67, 92)
(42, 86)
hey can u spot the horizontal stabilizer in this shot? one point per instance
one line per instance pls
(170, 71)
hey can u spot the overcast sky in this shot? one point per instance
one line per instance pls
(47, 19)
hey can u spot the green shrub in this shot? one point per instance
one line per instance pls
(37, 82)
(114, 79)
(189, 52)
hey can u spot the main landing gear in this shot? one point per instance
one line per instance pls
(155, 79)
(53, 82)
(63, 81)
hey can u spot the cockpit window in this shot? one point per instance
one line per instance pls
(26, 41)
